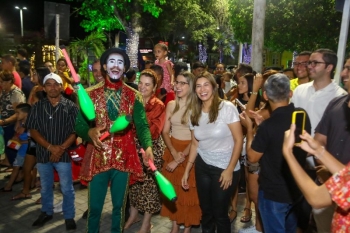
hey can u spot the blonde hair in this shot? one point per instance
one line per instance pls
(190, 79)
(197, 103)
(162, 46)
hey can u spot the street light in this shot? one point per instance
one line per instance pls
(21, 15)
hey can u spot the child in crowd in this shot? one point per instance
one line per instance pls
(161, 53)
(21, 136)
(161, 93)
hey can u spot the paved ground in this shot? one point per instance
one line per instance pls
(18, 216)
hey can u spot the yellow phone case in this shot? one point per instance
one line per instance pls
(294, 120)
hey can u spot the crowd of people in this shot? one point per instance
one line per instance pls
(206, 132)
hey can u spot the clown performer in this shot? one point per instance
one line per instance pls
(115, 160)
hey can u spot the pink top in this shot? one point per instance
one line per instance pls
(339, 188)
(166, 76)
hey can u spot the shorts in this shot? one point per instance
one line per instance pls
(31, 150)
(19, 161)
(253, 168)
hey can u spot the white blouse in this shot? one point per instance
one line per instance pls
(215, 141)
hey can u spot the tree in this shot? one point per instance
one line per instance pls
(290, 25)
(119, 14)
(82, 48)
(223, 37)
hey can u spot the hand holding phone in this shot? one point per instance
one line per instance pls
(239, 103)
(298, 118)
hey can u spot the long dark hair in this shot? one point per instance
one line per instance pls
(250, 80)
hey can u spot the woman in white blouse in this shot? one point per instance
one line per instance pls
(217, 138)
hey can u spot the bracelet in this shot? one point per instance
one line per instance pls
(48, 147)
(254, 93)
(321, 154)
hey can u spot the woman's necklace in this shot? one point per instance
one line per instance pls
(51, 115)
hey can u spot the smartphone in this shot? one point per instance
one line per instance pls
(298, 118)
(239, 103)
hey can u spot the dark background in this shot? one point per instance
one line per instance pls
(33, 17)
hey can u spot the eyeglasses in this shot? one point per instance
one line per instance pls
(180, 83)
(304, 63)
(315, 63)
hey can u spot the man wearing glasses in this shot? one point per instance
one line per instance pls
(314, 97)
(300, 70)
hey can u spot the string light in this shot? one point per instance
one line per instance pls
(202, 53)
(247, 53)
(132, 46)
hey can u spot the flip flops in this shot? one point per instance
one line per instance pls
(21, 196)
(247, 218)
(3, 190)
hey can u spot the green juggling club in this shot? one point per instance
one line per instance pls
(86, 104)
(164, 184)
(119, 124)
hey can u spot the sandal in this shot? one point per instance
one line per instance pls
(246, 218)
(38, 201)
(3, 190)
(134, 222)
(232, 215)
(21, 196)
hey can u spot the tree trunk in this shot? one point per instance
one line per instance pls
(133, 31)
(258, 34)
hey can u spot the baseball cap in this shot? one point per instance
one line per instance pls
(53, 76)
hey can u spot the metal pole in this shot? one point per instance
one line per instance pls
(342, 40)
(21, 15)
(57, 39)
(258, 34)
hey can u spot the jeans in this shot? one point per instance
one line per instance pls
(213, 200)
(276, 216)
(64, 171)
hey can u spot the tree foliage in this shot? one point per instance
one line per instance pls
(114, 14)
(181, 18)
(93, 43)
(290, 24)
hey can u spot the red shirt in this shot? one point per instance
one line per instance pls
(169, 96)
(18, 80)
(339, 188)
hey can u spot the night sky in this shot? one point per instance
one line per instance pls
(33, 17)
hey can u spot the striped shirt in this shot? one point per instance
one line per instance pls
(55, 124)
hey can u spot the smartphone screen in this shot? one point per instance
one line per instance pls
(298, 119)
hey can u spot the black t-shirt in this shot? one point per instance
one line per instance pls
(335, 124)
(275, 178)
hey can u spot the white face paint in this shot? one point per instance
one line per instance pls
(115, 66)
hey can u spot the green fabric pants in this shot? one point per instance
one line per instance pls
(119, 182)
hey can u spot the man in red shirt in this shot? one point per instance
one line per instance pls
(8, 62)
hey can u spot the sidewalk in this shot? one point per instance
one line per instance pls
(18, 216)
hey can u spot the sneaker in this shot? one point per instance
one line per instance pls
(43, 218)
(57, 208)
(70, 224)
(250, 229)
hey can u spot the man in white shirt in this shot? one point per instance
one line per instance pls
(314, 97)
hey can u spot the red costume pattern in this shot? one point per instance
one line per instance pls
(119, 148)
